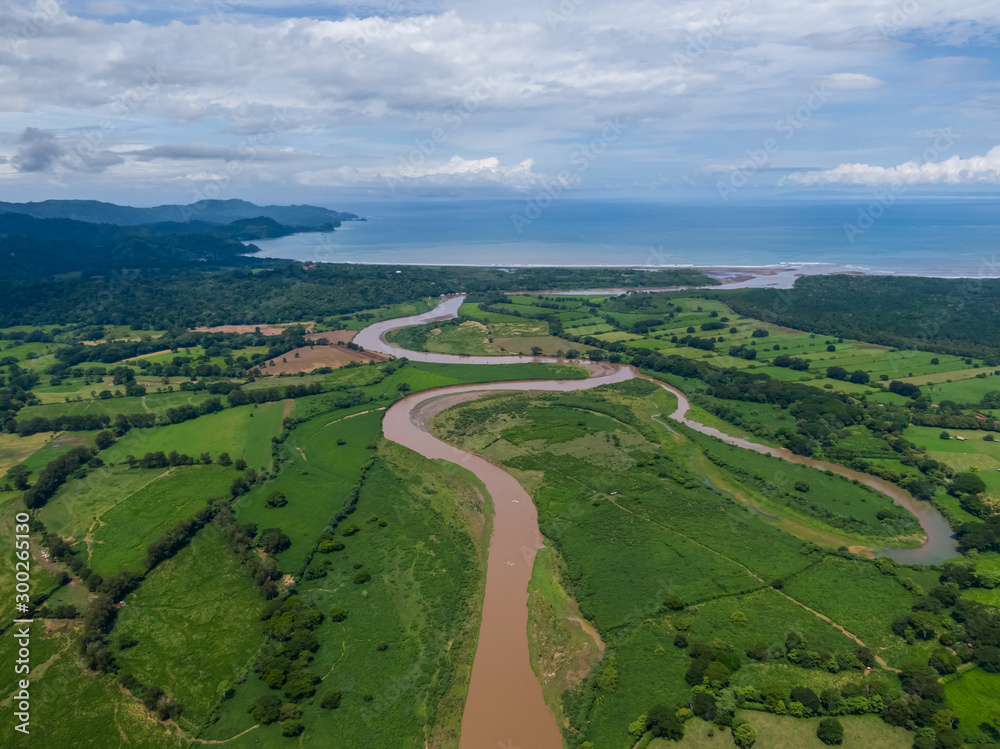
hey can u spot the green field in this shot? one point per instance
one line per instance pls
(776, 732)
(422, 540)
(244, 432)
(119, 537)
(195, 617)
(605, 479)
(973, 698)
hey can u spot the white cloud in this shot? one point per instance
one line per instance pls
(455, 172)
(851, 82)
(951, 171)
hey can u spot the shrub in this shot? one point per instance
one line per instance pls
(830, 731)
(331, 700)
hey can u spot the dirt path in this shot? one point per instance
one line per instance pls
(828, 620)
(145, 406)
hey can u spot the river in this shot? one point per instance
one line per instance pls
(505, 705)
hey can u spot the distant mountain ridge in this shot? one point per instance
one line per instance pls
(208, 211)
(38, 240)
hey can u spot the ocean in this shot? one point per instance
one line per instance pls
(949, 238)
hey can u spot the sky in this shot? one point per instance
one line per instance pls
(150, 102)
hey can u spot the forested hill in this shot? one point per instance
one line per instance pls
(34, 247)
(958, 316)
(210, 211)
(283, 290)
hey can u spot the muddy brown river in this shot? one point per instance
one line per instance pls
(505, 707)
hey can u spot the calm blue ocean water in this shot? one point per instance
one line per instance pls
(939, 238)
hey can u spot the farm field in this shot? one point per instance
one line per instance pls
(605, 479)
(329, 591)
(308, 358)
(860, 732)
(244, 432)
(192, 620)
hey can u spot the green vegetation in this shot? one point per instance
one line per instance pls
(283, 566)
(901, 312)
(194, 621)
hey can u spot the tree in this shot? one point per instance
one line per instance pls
(276, 499)
(966, 483)
(104, 440)
(739, 619)
(265, 710)
(836, 373)
(663, 723)
(743, 735)
(19, 475)
(331, 700)
(273, 541)
(225, 460)
(830, 731)
(239, 465)
(806, 697)
(860, 377)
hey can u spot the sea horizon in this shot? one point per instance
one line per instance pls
(947, 239)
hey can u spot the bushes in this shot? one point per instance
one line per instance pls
(830, 731)
(55, 475)
(273, 541)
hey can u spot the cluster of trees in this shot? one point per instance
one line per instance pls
(187, 411)
(54, 475)
(955, 316)
(77, 423)
(289, 625)
(743, 352)
(153, 698)
(796, 363)
(858, 376)
(283, 290)
(180, 535)
(264, 572)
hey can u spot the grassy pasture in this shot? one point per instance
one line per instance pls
(15, 450)
(315, 482)
(967, 390)
(244, 432)
(426, 566)
(833, 502)
(860, 598)
(973, 697)
(196, 618)
(362, 319)
(783, 732)
(72, 708)
(120, 536)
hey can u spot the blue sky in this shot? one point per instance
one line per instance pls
(150, 102)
